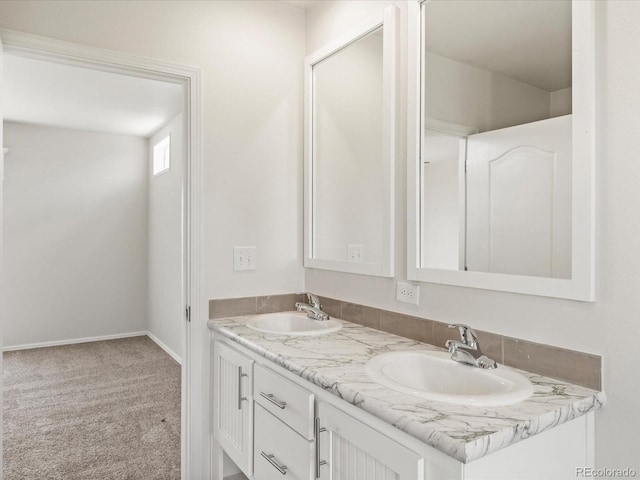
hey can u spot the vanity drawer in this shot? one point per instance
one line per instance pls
(287, 401)
(279, 452)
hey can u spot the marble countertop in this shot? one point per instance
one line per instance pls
(335, 363)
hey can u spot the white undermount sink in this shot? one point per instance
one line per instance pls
(292, 323)
(432, 375)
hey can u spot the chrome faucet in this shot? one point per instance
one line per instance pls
(313, 308)
(467, 350)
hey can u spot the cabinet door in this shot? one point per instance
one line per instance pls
(233, 401)
(351, 450)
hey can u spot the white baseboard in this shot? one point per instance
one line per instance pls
(171, 353)
(57, 343)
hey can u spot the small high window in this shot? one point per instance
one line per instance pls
(162, 156)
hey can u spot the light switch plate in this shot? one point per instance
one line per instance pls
(244, 258)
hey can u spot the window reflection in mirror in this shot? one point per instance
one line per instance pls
(496, 138)
(348, 161)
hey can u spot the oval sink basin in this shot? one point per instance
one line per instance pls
(432, 375)
(292, 323)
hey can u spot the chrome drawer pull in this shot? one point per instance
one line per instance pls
(240, 397)
(318, 430)
(272, 399)
(269, 457)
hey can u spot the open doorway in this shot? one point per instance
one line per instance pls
(94, 252)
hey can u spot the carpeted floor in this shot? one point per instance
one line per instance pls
(101, 410)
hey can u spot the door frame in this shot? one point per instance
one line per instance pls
(194, 433)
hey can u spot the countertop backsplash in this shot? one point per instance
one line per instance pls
(579, 368)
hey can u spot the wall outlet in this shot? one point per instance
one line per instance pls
(244, 258)
(407, 293)
(355, 253)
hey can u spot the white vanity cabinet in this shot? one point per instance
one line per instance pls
(233, 404)
(274, 424)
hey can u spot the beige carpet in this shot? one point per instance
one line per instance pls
(100, 410)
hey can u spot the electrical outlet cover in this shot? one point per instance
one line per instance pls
(407, 293)
(355, 253)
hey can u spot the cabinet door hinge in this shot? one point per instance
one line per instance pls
(187, 313)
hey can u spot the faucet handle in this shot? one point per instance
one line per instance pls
(467, 334)
(452, 345)
(313, 301)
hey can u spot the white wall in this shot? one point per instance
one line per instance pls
(165, 248)
(466, 95)
(609, 326)
(441, 211)
(75, 234)
(561, 102)
(250, 55)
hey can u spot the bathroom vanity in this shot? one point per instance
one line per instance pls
(303, 407)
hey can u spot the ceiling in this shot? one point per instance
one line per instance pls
(304, 4)
(526, 40)
(53, 94)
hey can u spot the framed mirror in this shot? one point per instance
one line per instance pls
(501, 145)
(350, 150)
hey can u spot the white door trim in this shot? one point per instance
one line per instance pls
(194, 433)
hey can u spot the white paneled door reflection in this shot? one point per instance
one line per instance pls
(519, 200)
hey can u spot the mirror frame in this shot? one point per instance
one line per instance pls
(387, 19)
(581, 285)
